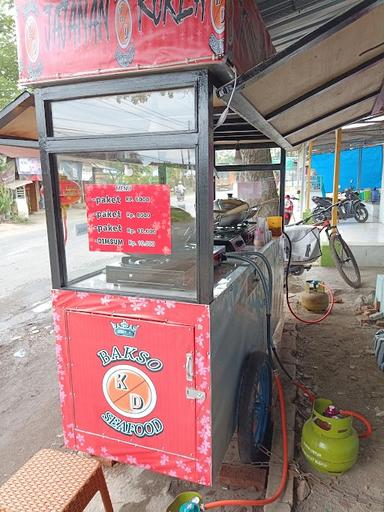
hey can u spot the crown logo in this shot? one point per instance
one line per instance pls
(125, 329)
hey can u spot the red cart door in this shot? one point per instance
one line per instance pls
(129, 379)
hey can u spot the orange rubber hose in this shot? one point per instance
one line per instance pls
(283, 481)
(312, 397)
(368, 427)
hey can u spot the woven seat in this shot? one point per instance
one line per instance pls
(54, 481)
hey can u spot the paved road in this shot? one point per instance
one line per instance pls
(29, 410)
(24, 272)
(25, 279)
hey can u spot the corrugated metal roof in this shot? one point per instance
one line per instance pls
(367, 132)
(13, 185)
(289, 20)
(331, 77)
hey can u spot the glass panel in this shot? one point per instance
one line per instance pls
(294, 174)
(253, 196)
(141, 112)
(134, 224)
(257, 188)
(247, 156)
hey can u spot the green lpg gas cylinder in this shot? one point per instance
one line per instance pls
(330, 445)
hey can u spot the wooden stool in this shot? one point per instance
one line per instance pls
(54, 481)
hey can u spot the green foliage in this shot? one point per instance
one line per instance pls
(8, 54)
(3, 163)
(6, 201)
(146, 174)
(16, 219)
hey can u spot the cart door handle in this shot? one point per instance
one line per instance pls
(189, 367)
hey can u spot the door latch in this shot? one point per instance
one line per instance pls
(195, 394)
(189, 367)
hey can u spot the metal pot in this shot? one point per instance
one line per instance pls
(230, 212)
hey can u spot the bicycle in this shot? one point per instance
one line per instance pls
(304, 247)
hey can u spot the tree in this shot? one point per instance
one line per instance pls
(8, 54)
(267, 194)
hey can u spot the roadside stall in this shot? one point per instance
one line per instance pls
(154, 317)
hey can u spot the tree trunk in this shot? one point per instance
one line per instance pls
(259, 187)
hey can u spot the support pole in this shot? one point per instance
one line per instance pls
(336, 174)
(308, 187)
(162, 174)
(282, 183)
(301, 187)
(381, 214)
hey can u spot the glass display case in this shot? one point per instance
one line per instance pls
(138, 161)
(122, 246)
(132, 182)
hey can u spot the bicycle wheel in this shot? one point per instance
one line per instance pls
(254, 409)
(361, 214)
(344, 260)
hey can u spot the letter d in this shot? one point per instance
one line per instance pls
(137, 402)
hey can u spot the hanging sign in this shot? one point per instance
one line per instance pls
(82, 38)
(70, 192)
(29, 167)
(8, 174)
(129, 218)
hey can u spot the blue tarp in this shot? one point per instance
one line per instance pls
(363, 166)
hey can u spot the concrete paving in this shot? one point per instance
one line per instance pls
(370, 233)
(366, 241)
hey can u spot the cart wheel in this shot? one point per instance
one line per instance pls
(254, 414)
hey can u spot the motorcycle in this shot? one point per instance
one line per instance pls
(321, 212)
(180, 196)
(180, 192)
(350, 207)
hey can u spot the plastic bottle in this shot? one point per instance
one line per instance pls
(259, 238)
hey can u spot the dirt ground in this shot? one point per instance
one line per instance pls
(29, 402)
(335, 359)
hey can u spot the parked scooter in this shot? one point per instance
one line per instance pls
(350, 207)
(321, 212)
(180, 192)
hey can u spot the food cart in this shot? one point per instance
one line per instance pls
(153, 322)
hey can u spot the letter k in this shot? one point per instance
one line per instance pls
(120, 381)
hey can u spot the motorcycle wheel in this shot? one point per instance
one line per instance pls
(361, 214)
